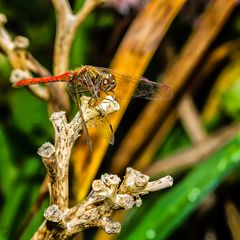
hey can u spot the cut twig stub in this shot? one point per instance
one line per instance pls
(46, 150)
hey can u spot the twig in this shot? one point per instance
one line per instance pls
(16, 51)
(107, 193)
(24, 64)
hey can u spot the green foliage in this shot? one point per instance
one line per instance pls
(231, 100)
(21, 170)
(176, 141)
(24, 126)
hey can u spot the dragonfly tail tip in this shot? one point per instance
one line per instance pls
(15, 85)
(112, 140)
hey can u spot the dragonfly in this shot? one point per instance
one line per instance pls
(98, 82)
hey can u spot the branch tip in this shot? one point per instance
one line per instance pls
(46, 150)
(21, 42)
(57, 115)
(3, 19)
(111, 227)
(125, 201)
(134, 181)
(19, 74)
(159, 184)
(98, 185)
(110, 179)
(53, 213)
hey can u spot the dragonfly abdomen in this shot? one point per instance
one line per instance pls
(65, 77)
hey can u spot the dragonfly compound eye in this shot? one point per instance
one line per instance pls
(108, 82)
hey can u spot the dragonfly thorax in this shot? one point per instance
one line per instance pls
(90, 81)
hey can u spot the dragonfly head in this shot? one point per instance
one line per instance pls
(107, 82)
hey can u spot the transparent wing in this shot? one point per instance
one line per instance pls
(152, 90)
(103, 126)
(143, 87)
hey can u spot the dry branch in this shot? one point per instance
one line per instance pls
(108, 193)
(16, 51)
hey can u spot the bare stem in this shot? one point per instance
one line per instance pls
(108, 193)
(67, 24)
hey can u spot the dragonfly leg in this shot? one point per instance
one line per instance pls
(92, 102)
(85, 130)
(101, 112)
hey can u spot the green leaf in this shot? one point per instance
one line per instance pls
(177, 137)
(30, 115)
(36, 222)
(231, 100)
(8, 171)
(5, 68)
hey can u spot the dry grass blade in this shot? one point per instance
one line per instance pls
(222, 52)
(191, 122)
(132, 57)
(209, 26)
(146, 157)
(194, 154)
(233, 219)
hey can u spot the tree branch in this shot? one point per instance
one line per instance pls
(108, 193)
(15, 50)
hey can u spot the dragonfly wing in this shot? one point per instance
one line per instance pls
(151, 90)
(104, 127)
